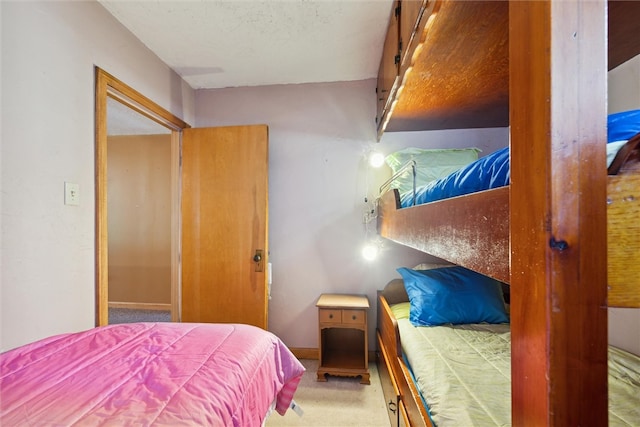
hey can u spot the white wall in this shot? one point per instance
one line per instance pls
(624, 86)
(319, 135)
(624, 94)
(49, 50)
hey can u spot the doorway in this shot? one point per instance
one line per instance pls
(137, 194)
(139, 216)
(219, 214)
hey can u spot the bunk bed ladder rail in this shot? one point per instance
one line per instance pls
(387, 184)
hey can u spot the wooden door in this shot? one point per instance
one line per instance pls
(224, 225)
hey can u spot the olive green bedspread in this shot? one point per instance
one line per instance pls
(464, 373)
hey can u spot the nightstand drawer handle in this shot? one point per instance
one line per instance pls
(331, 316)
(354, 317)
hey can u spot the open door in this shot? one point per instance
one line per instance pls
(224, 225)
(219, 216)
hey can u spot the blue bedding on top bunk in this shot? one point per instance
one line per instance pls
(492, 171)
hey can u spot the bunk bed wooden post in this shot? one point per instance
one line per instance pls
(558, 74)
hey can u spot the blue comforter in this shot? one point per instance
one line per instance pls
(492, 171)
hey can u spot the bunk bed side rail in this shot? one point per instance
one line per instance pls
(416, 412)
(389, 336)
(388, 328)
(471, 231)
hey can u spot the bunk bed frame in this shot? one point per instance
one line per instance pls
(475, 231)
(545, 232)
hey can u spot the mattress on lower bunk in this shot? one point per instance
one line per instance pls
(464, 373)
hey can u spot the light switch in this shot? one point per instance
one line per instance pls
(71, 194)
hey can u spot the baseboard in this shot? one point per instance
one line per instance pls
(305, 353)
(140, 305)
(313, 354)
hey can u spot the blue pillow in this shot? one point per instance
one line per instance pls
(453, 295)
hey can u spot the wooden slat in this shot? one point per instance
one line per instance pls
(471, 231)
(623, 238)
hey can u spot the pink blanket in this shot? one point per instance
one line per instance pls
(149, 373)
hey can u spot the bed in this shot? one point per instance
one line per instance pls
(476, 197)
(557, 56)
(149, 374)
(459, 374)
(481, 241)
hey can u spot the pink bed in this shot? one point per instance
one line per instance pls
(149, 373)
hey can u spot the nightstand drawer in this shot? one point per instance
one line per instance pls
(329, 315)
(355, 317)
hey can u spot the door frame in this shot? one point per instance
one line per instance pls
(108, 86)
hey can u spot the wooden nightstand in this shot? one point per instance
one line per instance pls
(342, 325)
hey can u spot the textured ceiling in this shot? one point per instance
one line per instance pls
(228, 43)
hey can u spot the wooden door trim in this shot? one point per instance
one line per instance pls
(175, 226)
(109, 86)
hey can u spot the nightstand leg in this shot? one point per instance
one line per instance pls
(365, 379)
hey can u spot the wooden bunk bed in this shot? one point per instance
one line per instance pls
(462, 370)
(545, 232)
(475, 231)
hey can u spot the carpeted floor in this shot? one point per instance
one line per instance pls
(339, 402)
(127, 315)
